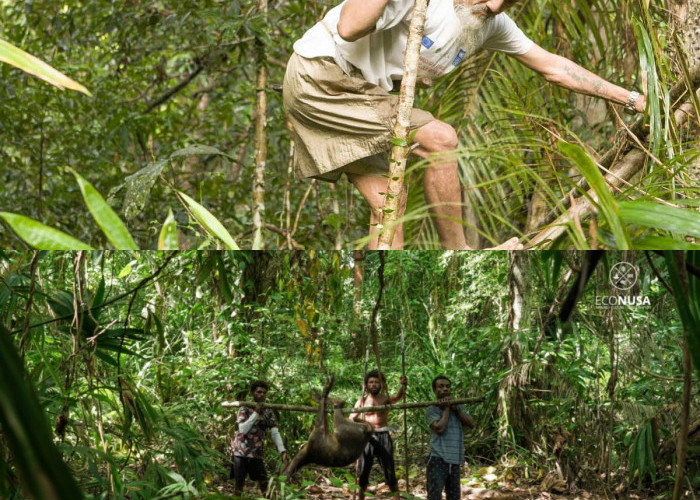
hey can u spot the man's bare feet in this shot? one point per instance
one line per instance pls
(511, 244)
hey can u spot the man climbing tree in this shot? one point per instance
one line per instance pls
(380, 445)
(337, 84)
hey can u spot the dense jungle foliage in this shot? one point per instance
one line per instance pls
(114, 366)
(169, 129)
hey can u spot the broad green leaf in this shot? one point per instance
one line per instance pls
(654, 242)
(167, 240)
(110, 223)
(210, 223)
(199, 149)
(658, 216)
(126, 271)
(29, 64)
(606, 203)
(26, 431)
(41, 236)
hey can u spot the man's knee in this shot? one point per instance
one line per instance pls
(437, 136)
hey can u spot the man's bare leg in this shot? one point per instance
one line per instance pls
(370, 187)
(437, 141)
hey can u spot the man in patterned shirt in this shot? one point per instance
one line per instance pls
(446, 421)
(253, 425)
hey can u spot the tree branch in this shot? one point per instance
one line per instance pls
(311, 409)
(141, 284)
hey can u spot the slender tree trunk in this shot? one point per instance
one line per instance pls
(358, 339)
(612, 384)
(260, 139)
(399, 153)
(373, 321)
(681, 446)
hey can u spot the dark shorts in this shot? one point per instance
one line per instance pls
(380, 447)
(247, 466)
(441, 475)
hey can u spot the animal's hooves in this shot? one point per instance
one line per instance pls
(328, 386)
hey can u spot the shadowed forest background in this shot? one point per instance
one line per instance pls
(172, 115)
(114, 366)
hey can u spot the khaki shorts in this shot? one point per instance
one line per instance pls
(340, 123)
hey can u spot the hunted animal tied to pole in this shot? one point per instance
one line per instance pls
(332, 449)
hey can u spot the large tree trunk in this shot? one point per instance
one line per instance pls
(511, 401)
(685, 19)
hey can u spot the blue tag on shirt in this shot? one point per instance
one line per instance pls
(427, 42)
(460, 56)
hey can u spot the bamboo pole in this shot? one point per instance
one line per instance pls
(401, 148)
(312, 409)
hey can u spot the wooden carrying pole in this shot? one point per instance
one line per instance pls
(312, 409)
(400, 150)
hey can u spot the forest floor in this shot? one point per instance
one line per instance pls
(547, 488)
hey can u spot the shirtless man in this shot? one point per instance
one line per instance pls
(380, 444)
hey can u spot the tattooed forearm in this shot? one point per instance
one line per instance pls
(582, 80)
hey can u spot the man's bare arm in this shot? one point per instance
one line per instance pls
(401, 393)
(359, 17)
(566, 73)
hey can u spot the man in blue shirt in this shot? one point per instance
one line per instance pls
(446, 421)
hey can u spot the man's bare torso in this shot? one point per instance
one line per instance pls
(377, 419)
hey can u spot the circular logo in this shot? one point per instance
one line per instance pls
(623, 275)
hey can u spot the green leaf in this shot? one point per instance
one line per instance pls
(199, 149)
(658, 216)
(653, 242)
(686, 302)
(41, 236)
(210, 223)
(167, 240)
(126, 271)
(110, 223)
(606, 203)
(26, 431)
(99, 294)
(29, 64)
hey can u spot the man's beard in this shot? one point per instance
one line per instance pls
(375, 390)
(471, 24)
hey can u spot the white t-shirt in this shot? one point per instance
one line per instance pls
(379, 55)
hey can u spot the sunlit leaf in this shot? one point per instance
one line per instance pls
(110, 223)
(167, 239)
(606, 203)
(41, 236)
(210, 223)
(28, 63)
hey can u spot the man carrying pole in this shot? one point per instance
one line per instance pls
(380, 445)
(337, 95)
